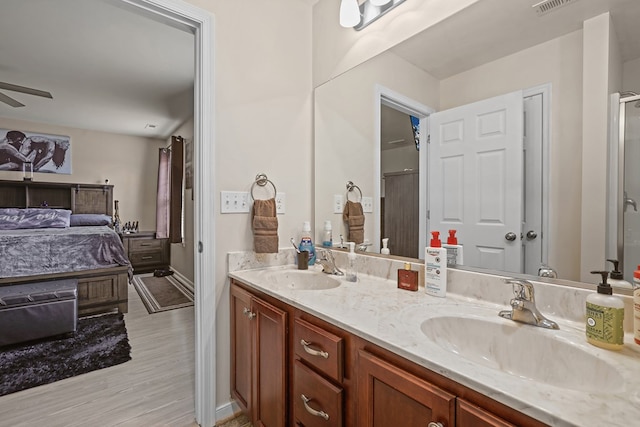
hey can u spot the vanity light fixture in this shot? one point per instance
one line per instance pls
(359, 16)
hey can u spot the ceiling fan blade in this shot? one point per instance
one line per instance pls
(10, 101)
(23, 89)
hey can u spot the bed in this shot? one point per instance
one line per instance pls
(89, 251)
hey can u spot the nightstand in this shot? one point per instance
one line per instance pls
(145, 251)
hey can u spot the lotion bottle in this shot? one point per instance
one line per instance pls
(385, 248)
(605, 314)
(454, 250)
(616, 278)
(352, 271)
(435, 266)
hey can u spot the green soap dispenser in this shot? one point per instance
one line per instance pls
(605, 314)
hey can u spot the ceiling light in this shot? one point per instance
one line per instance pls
(349, 13)
(358, 17)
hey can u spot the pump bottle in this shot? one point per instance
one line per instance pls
(306, 244)
(385, 246)
(327, 236)
(616, 278)
(435, 265)
(454, 250)
(605, 314)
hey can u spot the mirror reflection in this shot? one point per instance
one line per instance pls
(356, 139)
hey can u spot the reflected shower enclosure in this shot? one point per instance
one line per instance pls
(624, 186)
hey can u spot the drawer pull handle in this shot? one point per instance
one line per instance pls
(313, 352)
(312, 411)
(147, 257)
(247, 312)
(432, 424)
(145, 244)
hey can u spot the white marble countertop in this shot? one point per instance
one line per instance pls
(375, 309)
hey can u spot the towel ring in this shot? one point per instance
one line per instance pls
(262, 180)
(350, 188)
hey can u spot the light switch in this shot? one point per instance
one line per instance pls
(234, 202)
(338, 203)
(367, 204)
(281, 203)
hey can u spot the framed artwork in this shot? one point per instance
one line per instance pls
(45, 152)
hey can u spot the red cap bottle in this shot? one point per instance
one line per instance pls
(435, 240)
(452, 239)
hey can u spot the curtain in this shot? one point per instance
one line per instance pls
(176, 219)
(163, 197)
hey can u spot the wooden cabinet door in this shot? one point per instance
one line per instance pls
(269, 368)
(469, 415)
(241, 347)
(390, 396)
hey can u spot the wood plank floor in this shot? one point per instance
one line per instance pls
(155, 388)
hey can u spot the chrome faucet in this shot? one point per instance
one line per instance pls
(524, 306)
(328, 262)
(362, 247)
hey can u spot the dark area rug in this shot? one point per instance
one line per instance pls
(99, 342)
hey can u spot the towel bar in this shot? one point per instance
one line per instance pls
(262, 180)
(350, 187)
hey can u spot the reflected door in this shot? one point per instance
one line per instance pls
(476, 177)
(631, 193)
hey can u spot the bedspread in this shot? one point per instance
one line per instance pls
(29, 252)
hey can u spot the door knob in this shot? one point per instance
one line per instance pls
(510, 236)
(531, 234)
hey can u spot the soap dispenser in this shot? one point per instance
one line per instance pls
(605, 314)
(435, 267)
(352, 271)
(616, 279)
(454, 250)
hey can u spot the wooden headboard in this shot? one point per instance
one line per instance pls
(79, 198)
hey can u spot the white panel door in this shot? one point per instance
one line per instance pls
(475, 179)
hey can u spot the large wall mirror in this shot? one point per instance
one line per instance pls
(363, 130)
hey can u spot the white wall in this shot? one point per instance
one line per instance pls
(558, 62)
(345, 133)
(129, 162)
(263, 124)
(602, 75)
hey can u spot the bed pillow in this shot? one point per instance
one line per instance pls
(14, 219)
(78, 220)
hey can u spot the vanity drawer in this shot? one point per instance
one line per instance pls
(319, 348)
(317, 402)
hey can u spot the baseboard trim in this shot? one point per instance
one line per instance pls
(227, 411)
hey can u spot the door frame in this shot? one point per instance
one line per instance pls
(402, 103)
(184, 15)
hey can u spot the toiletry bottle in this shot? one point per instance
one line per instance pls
(605, 314)
(616, 279)
(352, 270)
(327, 236)
(435, 267)
(407, 278)
(636, 306)
(306, 244)
(385, 246)
(454, 250)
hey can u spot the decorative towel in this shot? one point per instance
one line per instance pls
(265, 226)
(353, 215)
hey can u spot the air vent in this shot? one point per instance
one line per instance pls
(549, 6)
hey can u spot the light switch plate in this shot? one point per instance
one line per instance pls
(234, 202)
(338, 203)
(281, 203)
(367, 204)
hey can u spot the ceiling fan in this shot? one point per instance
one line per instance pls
(22, 89)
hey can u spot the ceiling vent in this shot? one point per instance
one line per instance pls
(548, 6)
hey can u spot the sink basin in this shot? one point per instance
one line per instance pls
(302, 280)
(525, 351)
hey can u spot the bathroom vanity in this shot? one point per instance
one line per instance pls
(310, 349)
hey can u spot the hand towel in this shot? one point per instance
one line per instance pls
(265, 226)
(353, 215)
